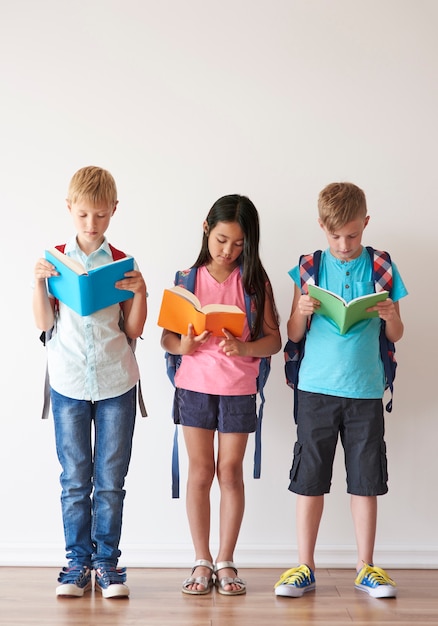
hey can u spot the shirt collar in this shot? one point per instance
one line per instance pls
(72, 246)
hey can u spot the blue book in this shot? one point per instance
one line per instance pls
(87, 292)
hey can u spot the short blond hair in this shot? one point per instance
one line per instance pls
(341, 203)
(94, 184)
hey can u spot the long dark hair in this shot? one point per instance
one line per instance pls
(240, 209)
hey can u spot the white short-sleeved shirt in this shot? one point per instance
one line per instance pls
(89, 357)
(347, 365)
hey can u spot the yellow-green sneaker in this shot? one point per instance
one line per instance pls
(376, 582)
(295, 582)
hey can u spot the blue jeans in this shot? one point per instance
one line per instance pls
(94, 464)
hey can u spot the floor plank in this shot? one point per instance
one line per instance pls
(27, 596)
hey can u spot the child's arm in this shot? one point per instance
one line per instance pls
(267, 345)
(43, 306)
(135, 309)
(390, 312)
(184, 344)
(302, 307)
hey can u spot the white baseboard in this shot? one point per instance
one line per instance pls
(144, 555)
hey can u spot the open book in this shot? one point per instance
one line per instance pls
(87, 292)
(180, 307)
(344, 314)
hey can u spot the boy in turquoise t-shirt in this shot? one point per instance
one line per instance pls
(340, 391)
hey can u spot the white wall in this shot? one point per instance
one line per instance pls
(184, 101)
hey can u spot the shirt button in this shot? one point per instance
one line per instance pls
(347, 286)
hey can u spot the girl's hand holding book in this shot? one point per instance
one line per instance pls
(191, 342)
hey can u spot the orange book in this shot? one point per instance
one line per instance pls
(180, 307)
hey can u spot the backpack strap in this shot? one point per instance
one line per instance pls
(45, 338)
(383, 280)
(117, 255)
(294, 351)
(264, 371)
(309, 269)
(382, 268)
(187, 279)
(263, 375)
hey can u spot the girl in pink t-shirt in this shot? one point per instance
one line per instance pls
(216, 385)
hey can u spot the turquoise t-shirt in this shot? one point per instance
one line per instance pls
(347, 365)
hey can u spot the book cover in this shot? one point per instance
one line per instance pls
(180, 307)
(344, 314)
(87, 292)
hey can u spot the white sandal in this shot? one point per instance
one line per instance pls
(221, 583)
(199, 580)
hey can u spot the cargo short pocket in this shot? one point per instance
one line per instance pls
(296, 461)
(191, 408)
(384, 463)
(238, 414)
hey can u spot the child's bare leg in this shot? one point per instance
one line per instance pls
(231, 451)
(200, 450)
(308, 516)
(364, 512)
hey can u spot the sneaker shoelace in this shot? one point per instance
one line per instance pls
(111, 576)
(377, 576)
(295, 576)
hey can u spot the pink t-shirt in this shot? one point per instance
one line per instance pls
(209, 370)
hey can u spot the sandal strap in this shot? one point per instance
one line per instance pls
(225, 565)
(226, 580)
(203, 563)
(200, 580)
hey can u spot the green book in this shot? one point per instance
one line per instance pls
(345, 314)
(87, 292)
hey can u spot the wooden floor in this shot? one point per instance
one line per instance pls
(27, 596)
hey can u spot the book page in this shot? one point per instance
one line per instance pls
(221, 308)
(187, 295)
(74, 265)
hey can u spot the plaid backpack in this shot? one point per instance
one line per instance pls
(45, 337)
(187, 279)
(294, 351)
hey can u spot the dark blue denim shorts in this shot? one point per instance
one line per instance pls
(227, 414)
(359, 424)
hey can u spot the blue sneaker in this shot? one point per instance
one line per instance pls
(376, 582)
(75, 581)
(110, 581)
(295, 582)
